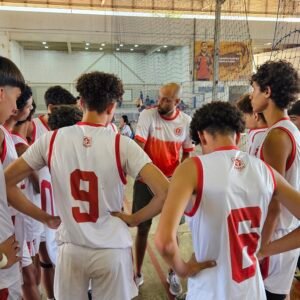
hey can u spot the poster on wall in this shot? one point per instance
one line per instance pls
(235, 61)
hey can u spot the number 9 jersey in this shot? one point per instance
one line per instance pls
(226, 220)
(88, 163)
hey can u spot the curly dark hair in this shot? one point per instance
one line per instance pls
(24, 97)
(64, 115)
(216, 117)
(10, 74)
(245, 106)
(282, 79)
(57, 95)
(29, 118)
(98, 90)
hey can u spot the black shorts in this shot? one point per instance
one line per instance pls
(142, 195)
(271, 296)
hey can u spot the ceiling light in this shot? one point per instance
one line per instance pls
(86, 48)
(165, 46)
(136, 46)
(100, 49)
(121, 45)
(44, 43)
(268, 44)
(118, 49)
(158, 50)
(87, 44)
(102, 44)
(131, 49)
(46, 47)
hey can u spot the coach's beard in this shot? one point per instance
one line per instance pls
(164, 112)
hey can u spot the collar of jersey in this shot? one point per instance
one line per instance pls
(282, 119)
(170, 118)
(232, 147)
(91, 124)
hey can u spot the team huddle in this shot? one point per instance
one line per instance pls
(63, 177)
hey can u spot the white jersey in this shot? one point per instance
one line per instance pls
(278, 270)
(292, 174)
(255, 138)
(32, 228)
(164, 138)
(11, 275)
(234, 191)
(88, 177)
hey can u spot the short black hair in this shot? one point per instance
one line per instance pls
(283, 80)
(295, 109)
(216, 117)
(64, 115)
(245, 106)
(57, 95)
(98, 90)
(125, 118)
(10, 74)
(24, 97)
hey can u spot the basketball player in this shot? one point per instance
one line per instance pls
(232, 193)
(255, 122)
(54, 97)
(163, 132)
(11, 84)
(275, 86)
(88, 162)
(31, 229)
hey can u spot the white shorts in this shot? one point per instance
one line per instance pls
(110, 270)
(281, 269)
(26, 257)
(13, 292)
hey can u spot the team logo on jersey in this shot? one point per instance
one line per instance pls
(87, 141)
(238, 163)
(178, 131)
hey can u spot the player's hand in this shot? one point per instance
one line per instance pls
(53, 222)
(194, 267)
(128, 219)
(10, 248)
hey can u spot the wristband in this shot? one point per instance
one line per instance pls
(3, 261)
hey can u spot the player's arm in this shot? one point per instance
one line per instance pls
(16, 172)
(10, 248)
(290, 198)
(142, 129)
(1, 141)
(276, 150)
(180, 191)
(34, 178)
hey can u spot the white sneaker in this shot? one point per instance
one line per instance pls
(174, 282)
(139, 280)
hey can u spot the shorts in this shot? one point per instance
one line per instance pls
(110, 271)
(13, 292)
(142, 195)
(26, 258)
(49, 237)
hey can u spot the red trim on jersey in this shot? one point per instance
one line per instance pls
(51, 148)
(140, 139)
(264, 267)
(4, 294)
(291, 159)
(282, 119)
(258, 131)
(44, 123)
(118, 159)
(232, 147)
(90, 124)
(33, 137)
(4, 149)
(199, 187)
(22, 138)
(170, 118)
(272, 174)
(113, 127)
(187, 150)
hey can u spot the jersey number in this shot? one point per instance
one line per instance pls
(46, 188)
(90, 196)
(243, 245)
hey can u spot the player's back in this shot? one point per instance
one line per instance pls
(233, 197)
(87, 182)
(255, 138)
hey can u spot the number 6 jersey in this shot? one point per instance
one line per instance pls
(87, 164)
(234, 191)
